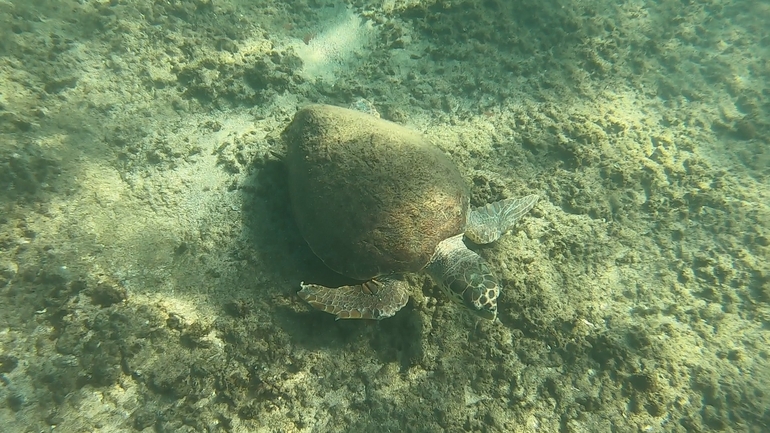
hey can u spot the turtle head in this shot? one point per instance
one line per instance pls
(480, 292)
(476, 288)
(465, 277)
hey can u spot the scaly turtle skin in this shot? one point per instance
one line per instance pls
(374, 200)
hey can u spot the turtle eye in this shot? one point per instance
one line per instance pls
(476, 280)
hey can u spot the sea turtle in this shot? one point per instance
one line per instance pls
(375, 200)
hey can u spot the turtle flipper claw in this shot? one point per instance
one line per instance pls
(375, 299)
(487, 223)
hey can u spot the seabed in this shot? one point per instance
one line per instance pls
(149, 261)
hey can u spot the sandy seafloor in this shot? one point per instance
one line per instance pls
(149, 262)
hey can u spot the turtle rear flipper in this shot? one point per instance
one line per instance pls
(375, 299)
(487, 223)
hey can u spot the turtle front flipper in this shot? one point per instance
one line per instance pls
(375, 299)
(465, 277)
(487, 223)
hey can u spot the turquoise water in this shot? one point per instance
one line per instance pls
(149, 258)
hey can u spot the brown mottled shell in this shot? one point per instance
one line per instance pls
(370, 197)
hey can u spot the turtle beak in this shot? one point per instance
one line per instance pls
(489, 314)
